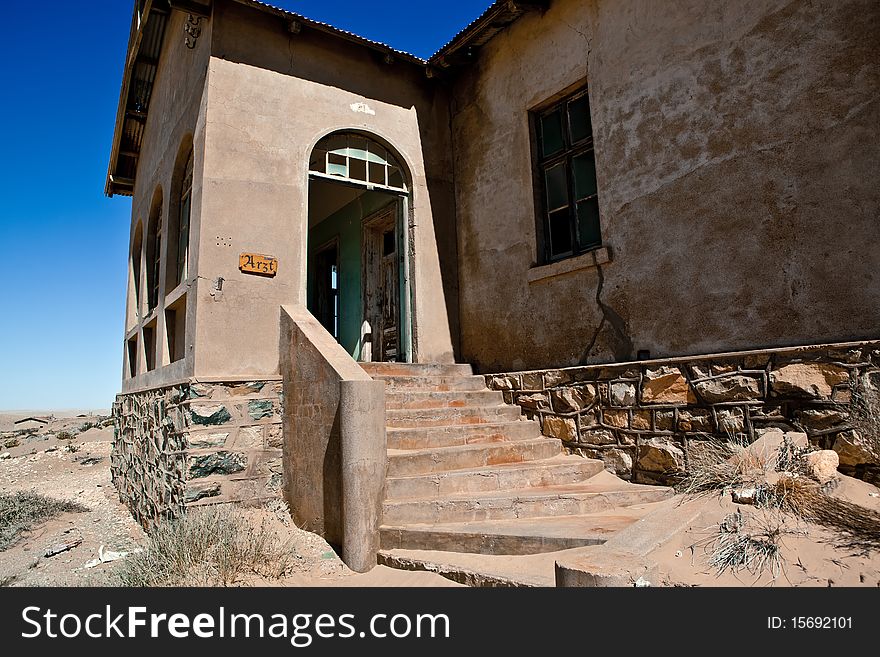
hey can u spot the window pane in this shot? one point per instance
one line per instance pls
(557, 187)
(357, 169)
(377, 173)
(585, 175)
(337, 165)
(395, 178)
(589, 232)
(560, 233)
(551, 133)
(579, 118)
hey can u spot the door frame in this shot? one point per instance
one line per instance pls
(404, 288)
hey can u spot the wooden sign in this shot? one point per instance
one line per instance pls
(254, 263)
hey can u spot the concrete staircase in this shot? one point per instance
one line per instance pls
(467, 473)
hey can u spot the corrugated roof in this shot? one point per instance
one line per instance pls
(330, 29)
(497, 17)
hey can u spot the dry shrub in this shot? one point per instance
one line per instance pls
(20, 511)
(854, 526)
(209, 546)
(736, 547)
(718, 464)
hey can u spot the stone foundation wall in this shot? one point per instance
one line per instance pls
(195, 444)
(642, 419)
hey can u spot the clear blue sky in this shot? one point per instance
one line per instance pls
(63, 244)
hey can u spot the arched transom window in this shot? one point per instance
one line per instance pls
(355, 158)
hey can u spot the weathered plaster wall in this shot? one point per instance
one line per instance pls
(175, 120)
(645, 420)
(737, 159)
(197, 443)
(271, 96)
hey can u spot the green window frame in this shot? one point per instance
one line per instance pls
(566, 177)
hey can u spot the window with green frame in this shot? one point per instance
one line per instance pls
(567, 178)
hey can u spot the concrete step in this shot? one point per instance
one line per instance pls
(442, 459)
(416, 369)
(432, 383)
(441, 417)
(514, 537)
(530, 474)
(599, 493)
(397, 399)
(463, 434)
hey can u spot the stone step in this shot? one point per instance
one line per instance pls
(432, 383)
(440, 417)
(548, 472)
(599, 493)
(514, 537)
(447, 399)
(442, 459)
(416, 369)
(463, 434)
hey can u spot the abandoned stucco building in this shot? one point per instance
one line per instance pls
(577, 198)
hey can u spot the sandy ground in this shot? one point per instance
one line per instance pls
(78, 470)
(809, 555)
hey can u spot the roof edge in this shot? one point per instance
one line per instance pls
(499, 15)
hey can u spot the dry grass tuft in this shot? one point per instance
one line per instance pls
(854, 526)
(735, 549)
(21, 511)
(719, 464)
(209, 546)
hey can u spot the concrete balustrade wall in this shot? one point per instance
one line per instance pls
(197, 443)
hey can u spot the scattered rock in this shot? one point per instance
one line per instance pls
(822, 465)
(813, 380)
(745, 495)
(62, 547)
(5, 455)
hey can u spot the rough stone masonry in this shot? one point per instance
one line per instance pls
(642, 419)
(195, 444)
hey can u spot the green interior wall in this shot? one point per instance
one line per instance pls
(345, 225)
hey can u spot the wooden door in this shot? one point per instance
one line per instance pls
(382, 287)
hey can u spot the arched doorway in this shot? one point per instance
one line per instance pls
(358, 252)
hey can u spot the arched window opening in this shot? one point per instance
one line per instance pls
(137, 247)
(354, 158)
(154, 250)
(178, 235)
